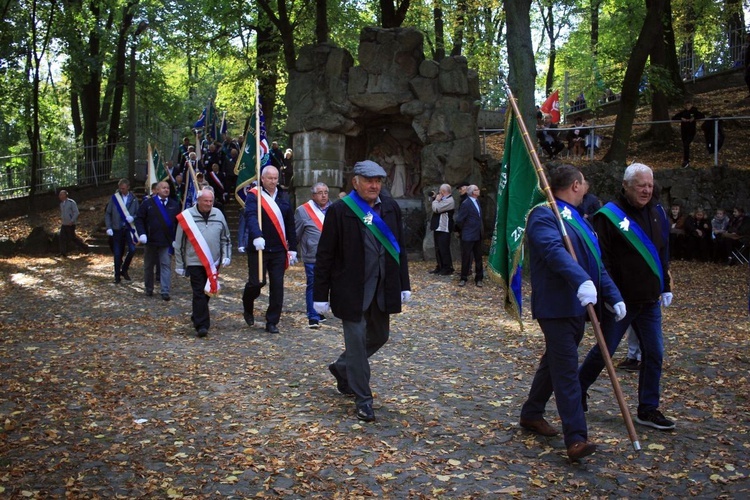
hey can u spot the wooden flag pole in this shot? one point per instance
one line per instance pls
(257, 173)
(569, 246)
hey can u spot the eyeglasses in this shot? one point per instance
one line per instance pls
(321, 192)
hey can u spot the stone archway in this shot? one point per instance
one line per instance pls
(414, 116)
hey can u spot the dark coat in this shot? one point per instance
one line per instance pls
(469, 221)
(150, 222)
(626, 266)
(269, 233)
(339, 264)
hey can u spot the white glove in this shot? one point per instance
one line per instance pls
(259, 244)
(620, 311)
(225, 262)
(666, 299)
(405, 296)
(587, 293)
(241, 249)
(143, 239)
(110, 232)
(321, 307)
(179, 272)
(129, 218)
(292, 258)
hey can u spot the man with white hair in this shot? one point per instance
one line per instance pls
(634, 239)
(202, 245)
(271, 231)
(469, 220)
(308, 222)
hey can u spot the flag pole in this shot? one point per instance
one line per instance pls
(569, 246)
(257, 172)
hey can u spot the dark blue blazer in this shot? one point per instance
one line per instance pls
(469, 220)
(150, 222)
(252, 230)
(555, 276)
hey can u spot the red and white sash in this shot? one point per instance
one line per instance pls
(274, 213)
(315, 213)
(216, 179)
(188, 225)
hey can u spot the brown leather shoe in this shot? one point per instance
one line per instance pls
(580, 449)
(540, 426)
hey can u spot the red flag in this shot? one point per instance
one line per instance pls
(552, 106)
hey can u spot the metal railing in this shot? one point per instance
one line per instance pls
(65, 167)
(715, 130)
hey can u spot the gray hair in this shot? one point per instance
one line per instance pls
(635, 169)
(445, 188)
(470, 190)
(204, 189)
(317, 185)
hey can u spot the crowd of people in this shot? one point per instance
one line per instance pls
(214, 164)
(698, 236)
(356, 268)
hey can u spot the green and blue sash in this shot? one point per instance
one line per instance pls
(374, 223)
(637, 238)
(572, 217)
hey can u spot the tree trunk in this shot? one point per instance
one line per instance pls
(392, 16)
(650, 30)
(268, 50)
(549, 27)
(321, 21)
(671, 61)
(595, 4)
(458, 31)
(661, 133)
(522, 71)
(113, 135)
(437, 14)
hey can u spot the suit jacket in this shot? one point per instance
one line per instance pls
(150, 222)
(555, 275)
(112, 217)
(340, 264)
(273, 240)
(470, 222)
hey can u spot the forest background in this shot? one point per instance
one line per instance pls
(94, 75)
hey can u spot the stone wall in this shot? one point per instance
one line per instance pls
(709, 188)
(416, 117)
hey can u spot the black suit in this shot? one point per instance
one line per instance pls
(470, 221)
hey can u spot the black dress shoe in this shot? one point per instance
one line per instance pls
(202, 332)
(116, 281)
(249, 318)
(365, 412)
(434, 271)
(165, 297)
(271, 328)
(341, 385)
(149, 293)
(125, 276)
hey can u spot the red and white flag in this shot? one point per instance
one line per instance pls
(552, 106)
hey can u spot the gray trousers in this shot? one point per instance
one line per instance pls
(362, 339)
(157, 256)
